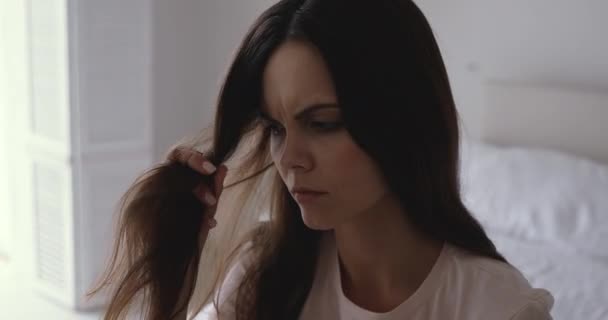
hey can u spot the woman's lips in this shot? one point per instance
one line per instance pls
(308, 196)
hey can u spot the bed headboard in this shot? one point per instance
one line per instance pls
(570, 121)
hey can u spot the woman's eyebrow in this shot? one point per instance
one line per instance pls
(302, 114)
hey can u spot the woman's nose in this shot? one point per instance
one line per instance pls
(295, 154)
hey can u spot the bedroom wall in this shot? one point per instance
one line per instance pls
(555, 43)
(193, 44)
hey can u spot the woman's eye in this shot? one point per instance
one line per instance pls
(325, 125)
(275, 130)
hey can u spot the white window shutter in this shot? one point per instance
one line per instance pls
(89, 133)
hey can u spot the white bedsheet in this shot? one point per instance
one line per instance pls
(538, 195)
(547, 213)
(579, 283)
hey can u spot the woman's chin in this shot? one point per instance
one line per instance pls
(316, 223)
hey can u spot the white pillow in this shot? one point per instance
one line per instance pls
(537, 195)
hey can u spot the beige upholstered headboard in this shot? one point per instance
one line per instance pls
(571, 121)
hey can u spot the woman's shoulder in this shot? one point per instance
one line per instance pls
(466, 263)
(470, 265)
(494, 284)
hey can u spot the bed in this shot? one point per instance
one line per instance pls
(536, 176)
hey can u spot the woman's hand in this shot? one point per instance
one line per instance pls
(208, 194)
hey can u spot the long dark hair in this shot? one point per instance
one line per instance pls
(397, 104)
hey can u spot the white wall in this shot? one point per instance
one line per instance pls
(556, 43)
(193, 44)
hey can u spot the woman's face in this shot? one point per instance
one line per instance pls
(308, 142)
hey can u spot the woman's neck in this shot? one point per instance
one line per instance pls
(382, 257)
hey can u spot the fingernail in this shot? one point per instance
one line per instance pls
(210, 199)
(208, 166)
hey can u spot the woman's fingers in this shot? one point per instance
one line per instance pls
(193, 159)
(211, 222)
(205, 194)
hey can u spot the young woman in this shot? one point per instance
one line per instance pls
(345, 199)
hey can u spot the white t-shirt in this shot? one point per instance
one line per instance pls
(459, 286)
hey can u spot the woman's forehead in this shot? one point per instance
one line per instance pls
(296, 77)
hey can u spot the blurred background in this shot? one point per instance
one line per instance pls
(92, 93)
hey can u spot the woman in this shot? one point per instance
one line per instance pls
(346, 203)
